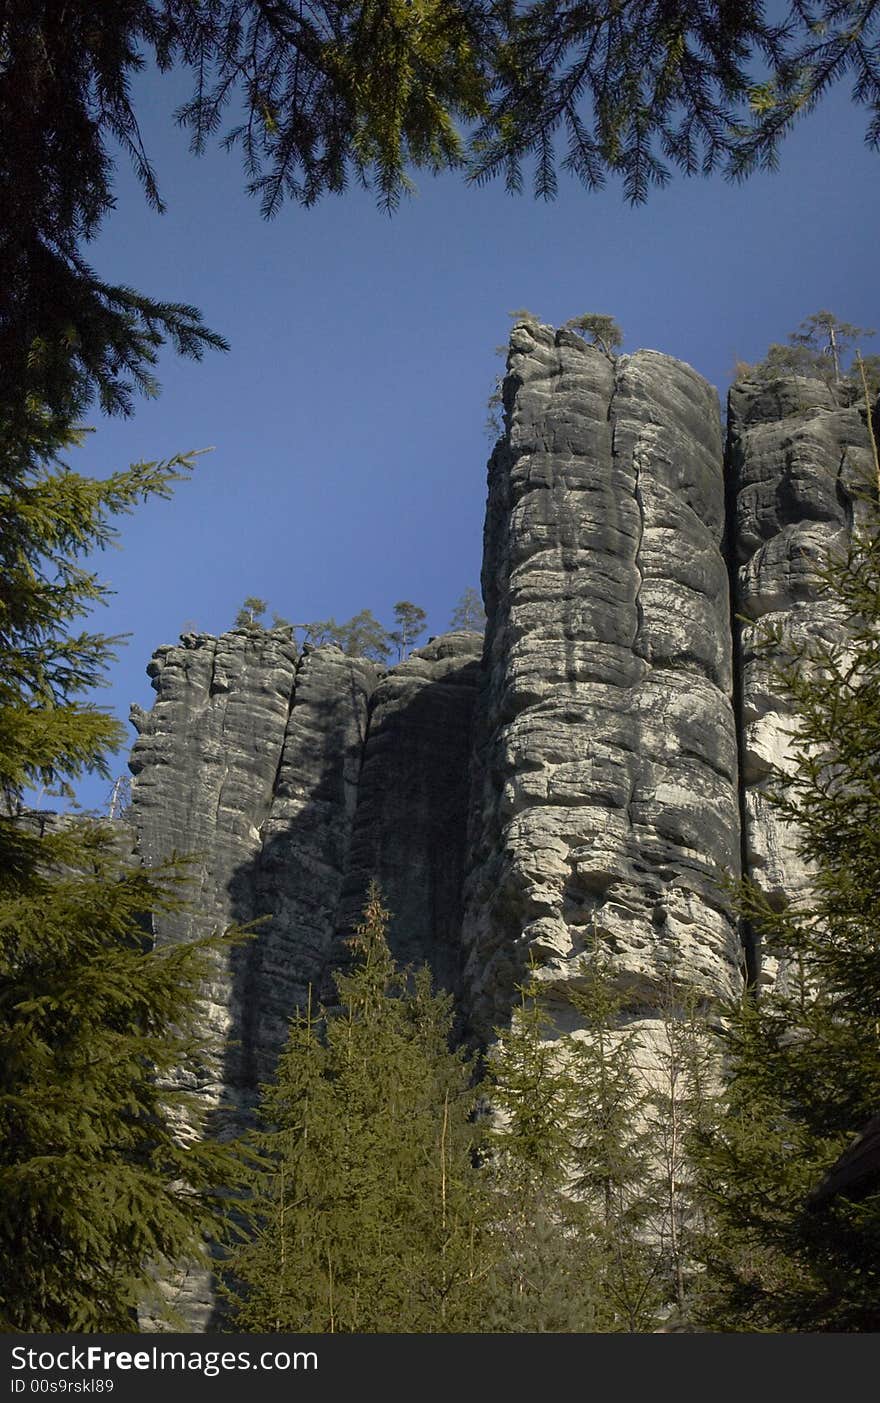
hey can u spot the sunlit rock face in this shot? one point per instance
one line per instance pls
(605, 777)
(797, 450)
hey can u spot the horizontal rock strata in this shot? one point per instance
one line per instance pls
(605, 777)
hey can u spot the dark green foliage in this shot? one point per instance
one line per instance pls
(613, 1171)
(95, 1184)
(541, 1281)
(634, 89)
(804, 1059)
(469, 612)
(370, 1210)
(338, 90)
(681, 1106)
(410, 620)
(52, 518)
(599, 330)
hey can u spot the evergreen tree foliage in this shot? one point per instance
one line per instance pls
(805, 1058)
(96, 1183)
(682, 1107)
(541, 1279)
(369, 1210)
(469, 612)
(333, 91)
(634, 89)
(612, 1158)
(410, 620)
(101, 1180)
(362, 636)
(251, 612)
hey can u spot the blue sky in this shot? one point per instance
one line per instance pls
(348, 419)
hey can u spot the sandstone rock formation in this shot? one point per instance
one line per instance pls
(589, 772)
(605, 800)
(797, 449)
(294, 780)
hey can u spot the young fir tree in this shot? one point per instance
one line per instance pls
(613, 1158)
(95, 1186)
(410, 619)
(370, 1210)
(805, 1059)
(541, 1281)
(681, 1105)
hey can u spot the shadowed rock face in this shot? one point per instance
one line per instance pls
(796, 450)
(410, 827)
(249, 761)
(293, 781)
(605, 784)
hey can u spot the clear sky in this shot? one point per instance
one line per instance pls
(348, 419)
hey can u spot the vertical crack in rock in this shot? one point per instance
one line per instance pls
(604, 800)
(410, 825)
(295, 880)
(796, 446)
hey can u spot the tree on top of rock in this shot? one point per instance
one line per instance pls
(251, 612)
(410, 623)
(599, 330)
(824, 347)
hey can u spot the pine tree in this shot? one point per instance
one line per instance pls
(598, 330)
(410, 623)
(825, 348)
(805, 1058)
(96, 1183)
(251, 613)
(369, 1210)
(364, 637)
(469, 612)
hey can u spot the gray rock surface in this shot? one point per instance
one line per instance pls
(796, 448)
(249, 760)
(605, 771)
(410, 827)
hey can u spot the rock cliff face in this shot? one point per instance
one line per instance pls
(606, 803)
(588, 771)
(796, 450)
(293, 781)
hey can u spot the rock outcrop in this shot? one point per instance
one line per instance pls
(589, 771)
(606, 785)
(797, 450)
(293, 780)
